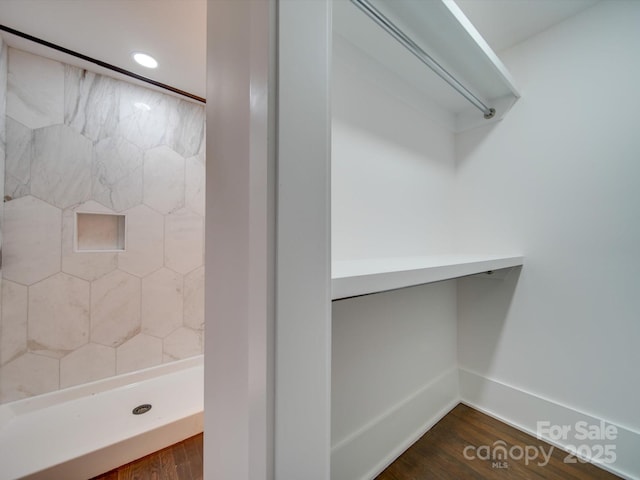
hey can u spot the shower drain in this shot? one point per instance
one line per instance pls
(140, 409)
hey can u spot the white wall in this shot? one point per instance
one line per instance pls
(303, 270)
(267, 375)
(239, 352)
(392, 169)
(555, 180)
(559, 180)
(393, 374)
(393, 354)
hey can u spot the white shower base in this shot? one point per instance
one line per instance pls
(83, 431)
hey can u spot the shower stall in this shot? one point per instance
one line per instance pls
(102, 252)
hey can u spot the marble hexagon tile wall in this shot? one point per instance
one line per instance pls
(3, 136)
(82, 142)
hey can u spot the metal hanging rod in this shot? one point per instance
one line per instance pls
(421, 55)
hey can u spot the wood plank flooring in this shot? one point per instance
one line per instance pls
(438, 455)
(182, 461)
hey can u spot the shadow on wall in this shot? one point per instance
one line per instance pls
(366, 107)
(484, 302)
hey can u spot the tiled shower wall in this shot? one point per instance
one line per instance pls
(81, 142)
(3, 140)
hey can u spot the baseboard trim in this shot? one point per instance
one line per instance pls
(523, 410)
(368, 451)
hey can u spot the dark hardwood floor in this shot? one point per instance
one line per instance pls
(438, 455)
(182, 461)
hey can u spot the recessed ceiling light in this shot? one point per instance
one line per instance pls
(145, 60)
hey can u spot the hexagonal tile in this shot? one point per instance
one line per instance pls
(2, 175)
(194, 299)
(115, 308)
(203, 144)
(163, 179)
(86, 265)
(13, 331)
(18, 159)
(4, 60)
(58, 315)
(28, 375)
(194, 194)
(117, 173)
(149, 119)
(89, 363)
(161, 302)
(146, 117)
(35, 89)
(183, 241)
(145, 242)
(91, 103)
(61, 166)
(141, 351)
(31, 240)
(187, 134)
(14, 188)
(182, 343)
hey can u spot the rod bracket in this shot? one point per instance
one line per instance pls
(389, 27)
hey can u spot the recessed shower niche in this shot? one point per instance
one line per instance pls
(100, 232)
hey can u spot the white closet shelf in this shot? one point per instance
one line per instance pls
(352, 278)
(440, 29)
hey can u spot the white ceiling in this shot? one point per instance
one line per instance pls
(174, 31)
(504, 23)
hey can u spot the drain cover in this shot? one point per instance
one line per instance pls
(140, 409)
